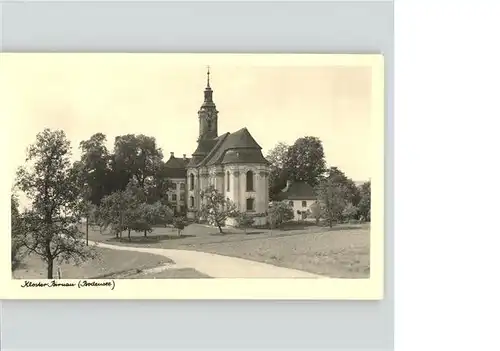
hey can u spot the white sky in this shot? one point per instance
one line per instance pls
(159, 96)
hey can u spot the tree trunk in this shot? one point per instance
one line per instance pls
(145, 233)
(87, 231)
(129, 238)
(220, 228)
(50, 268)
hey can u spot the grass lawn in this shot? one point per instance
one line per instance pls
(109, 264)
(339, 252)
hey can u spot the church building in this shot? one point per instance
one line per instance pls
(232, 162)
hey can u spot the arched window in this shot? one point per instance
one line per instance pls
(249, 181)
(290, 203)
(191, 201)
(228, 182)
(304, 203)
(191, 182)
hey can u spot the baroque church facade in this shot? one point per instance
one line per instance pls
(231, 162)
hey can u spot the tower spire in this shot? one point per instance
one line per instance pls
(208, 90)
(208, 113)
(208, 76)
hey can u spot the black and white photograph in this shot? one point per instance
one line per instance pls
(163, 167)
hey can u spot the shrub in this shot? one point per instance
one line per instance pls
(278, 213)
(316, 211)
(180, 223)
(350, 212)
(216, 208)
(244, 221)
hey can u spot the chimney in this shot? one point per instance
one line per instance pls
(288, 184)
(184, 157)
(171, 154)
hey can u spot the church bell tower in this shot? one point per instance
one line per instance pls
(207, 114)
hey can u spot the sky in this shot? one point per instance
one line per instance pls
(159, 95)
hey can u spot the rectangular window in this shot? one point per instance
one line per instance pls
(304, 203)
(250, 204)
(183, 198)
(183, 186)
(174, 197)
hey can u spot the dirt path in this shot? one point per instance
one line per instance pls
(218, 266)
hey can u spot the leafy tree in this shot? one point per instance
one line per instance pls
(365, 201)
(215, 208)
(161, 214)
(305, 160)
(147, 215)
(128, 210)
(277, 156)
(115, 212)
(119, 210)
(137, 157)
(50, 228)
(94, 163)
(350, 212)
(157, 185)
(316, 211)
(245, 221)
(94, 170)
(278, 213)
(278, 175)
(17, 253)
(332, 199)
(180, 223)
(352, 194)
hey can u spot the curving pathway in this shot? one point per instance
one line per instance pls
(218, 266)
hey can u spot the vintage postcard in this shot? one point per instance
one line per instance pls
(192, 176)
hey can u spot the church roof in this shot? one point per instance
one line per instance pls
(237, 147)
(241, 139)
(205, 146)
(297, 191)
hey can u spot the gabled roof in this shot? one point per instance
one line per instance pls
(175, 167)
(177, 162)
(297, 191)
(237, 147)
(206, 145)
(241, 139)
(175, 173)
